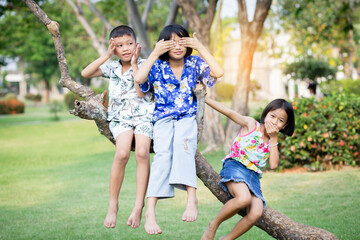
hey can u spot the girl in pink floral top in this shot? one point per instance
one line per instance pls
(254, 145)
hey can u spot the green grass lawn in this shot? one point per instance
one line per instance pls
(54, 185)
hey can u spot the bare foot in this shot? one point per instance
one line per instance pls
(209, 233)
(191, 211)
(110, 219)
(135, 217)
(151, 226)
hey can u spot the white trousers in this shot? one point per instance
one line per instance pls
(175, 143)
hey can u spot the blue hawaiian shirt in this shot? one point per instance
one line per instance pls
(173, 97)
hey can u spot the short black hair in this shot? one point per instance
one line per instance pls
(122, 30)
(167, 33)
(312, 86)
(281, 103)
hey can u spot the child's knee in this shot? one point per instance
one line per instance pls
(141, 154)
(122, 156)
(255, 214)
(242, 201)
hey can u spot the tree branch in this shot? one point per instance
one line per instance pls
(108, 26)
(139, 27)
(96, 43)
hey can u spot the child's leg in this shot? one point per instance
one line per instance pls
(242, 199)
(254, 212)
(191, 211)
(151, 226)
(183, 171)
(123, 147)
(142, 155)
(160, 170)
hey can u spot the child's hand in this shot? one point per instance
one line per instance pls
(111, 49)
(271, 130)
(193, 42)
(136, 55)
(163, 46)
(199, 86)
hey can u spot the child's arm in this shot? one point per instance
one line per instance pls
(216, 70)
(93, 69)
(134, 66)
(273, 132)
(245, 122)
(161, 47)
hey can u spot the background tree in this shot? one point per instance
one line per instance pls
(23, 37)
(273, 222)
(324, 28)
(250, 33)
(310, 69)
(200, 20)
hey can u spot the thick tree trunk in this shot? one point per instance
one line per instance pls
(274, 223)
(250, 32)
(213, 135)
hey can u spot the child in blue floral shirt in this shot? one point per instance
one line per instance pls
(173, 73)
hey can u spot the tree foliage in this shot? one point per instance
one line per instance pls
(310, 69)
(324, 27)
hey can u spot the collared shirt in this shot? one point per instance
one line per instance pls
(173, 97)
(122, 94)
(251, 150)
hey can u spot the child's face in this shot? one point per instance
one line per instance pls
(277, 117)
(124, 47)
(178, 52)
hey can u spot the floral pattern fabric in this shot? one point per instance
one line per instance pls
(173, 97)
(124, 103)
(251, 150)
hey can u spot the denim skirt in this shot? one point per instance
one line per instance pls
(235, 171)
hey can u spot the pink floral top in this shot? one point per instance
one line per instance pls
(251, 150)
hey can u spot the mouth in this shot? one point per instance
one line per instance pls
(126, 54)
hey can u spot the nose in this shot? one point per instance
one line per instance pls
(177, 44)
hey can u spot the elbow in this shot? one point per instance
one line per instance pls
(274, 166)
(217, 74)
(220, 74)
(83, 74)
(137, 80)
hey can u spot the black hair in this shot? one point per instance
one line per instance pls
(281, 103)
(122, 30)
(312, 86)
(167, 33)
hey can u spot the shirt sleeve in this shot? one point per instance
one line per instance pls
(204, 73)
(106, 69)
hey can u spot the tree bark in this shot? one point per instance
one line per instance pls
(274, 223)
(139, 28)
(146, 12)
(213, 135)
(250, 32)
(174, 8)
